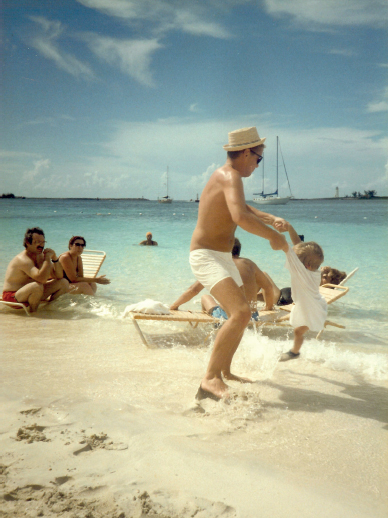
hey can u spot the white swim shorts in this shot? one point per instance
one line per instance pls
(210, 267)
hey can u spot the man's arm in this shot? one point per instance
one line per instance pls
(41, 274)
(269, 219)
(264, 283)
(188, 295)
(246, 218)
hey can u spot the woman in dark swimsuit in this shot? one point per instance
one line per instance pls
(73, 271)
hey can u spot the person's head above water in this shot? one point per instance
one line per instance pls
(149, 235)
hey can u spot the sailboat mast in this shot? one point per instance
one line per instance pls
(277, 165)
(263, 177)
(167, 181)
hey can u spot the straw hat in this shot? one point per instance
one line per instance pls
(243, 138)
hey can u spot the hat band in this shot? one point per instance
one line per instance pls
(244, 143)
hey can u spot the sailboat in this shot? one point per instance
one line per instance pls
(165, 199)
(273, 198)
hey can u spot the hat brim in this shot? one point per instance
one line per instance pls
(247, 145)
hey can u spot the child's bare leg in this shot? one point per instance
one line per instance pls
(293, 353)
(299, 333)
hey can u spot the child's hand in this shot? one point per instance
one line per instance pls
(287, 226)
(280, 224)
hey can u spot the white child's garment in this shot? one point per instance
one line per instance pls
(310, 307)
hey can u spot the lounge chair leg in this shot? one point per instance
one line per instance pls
(319, 334)
(140, 332)
(193, 324)
(207, 337)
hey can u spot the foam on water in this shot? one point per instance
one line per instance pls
(259, 354)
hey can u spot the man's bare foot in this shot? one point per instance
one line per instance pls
(213, 389)
(232, 377)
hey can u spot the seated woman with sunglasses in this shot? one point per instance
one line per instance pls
(73, 271)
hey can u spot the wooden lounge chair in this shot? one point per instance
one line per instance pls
(92, 261)
(192, 317)
(348, 277)
(278, 317)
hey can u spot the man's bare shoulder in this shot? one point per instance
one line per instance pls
(21, 259)
(247, 262)
(226, 173)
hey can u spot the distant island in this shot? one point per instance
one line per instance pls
(356, 195)
(10, 195)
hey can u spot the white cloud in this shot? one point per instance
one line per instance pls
(342, 52)
(47, 44)
(198, 182)
(380, 105)
(40, 166)
(48, 121)
(133, 159)
(165, 15)
(133, 57)
(372, 13)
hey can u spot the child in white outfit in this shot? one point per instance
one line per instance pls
(310, 310)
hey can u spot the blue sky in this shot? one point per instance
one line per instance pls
(100, 96)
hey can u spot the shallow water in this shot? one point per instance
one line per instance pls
(351, 233)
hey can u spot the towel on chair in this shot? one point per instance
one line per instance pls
(152, 307)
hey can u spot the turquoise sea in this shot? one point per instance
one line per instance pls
(352, 233)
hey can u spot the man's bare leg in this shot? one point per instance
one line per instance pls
(232, 313)
(31, 293)
(55, 288)
(228, 337)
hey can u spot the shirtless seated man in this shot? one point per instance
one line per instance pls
(35, 274)
(254, 280)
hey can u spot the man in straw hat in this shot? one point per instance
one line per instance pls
(221, 210)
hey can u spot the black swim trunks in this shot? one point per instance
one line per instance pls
(285, 297)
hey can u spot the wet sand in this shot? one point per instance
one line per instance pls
(95, 424)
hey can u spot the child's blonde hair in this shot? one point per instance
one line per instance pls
(310, 253)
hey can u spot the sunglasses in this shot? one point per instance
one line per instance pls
(80, 244)
(260, 157)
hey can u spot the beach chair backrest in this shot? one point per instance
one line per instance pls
(92, 261)
(348, 277)
(332, 292)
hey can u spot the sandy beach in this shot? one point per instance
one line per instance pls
(93, 424)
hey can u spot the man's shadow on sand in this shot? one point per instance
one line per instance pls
(366, 400)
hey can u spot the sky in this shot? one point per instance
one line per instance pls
(100, 97)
